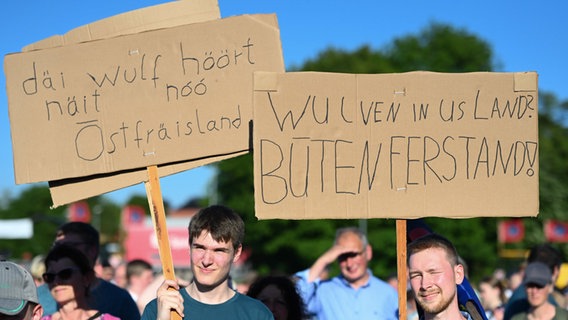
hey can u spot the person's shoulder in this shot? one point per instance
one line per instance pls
(381, 283)
(111, 288)
(250, 302)
(516, 306)
(254, 306)
(242, 298)
(518, 294)
(561, 313)
(150, 310)
(107, 291)
(374, 278)
(519, 316)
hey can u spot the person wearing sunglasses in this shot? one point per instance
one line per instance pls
(538, 285)
(354, 294)
(104, 295)
(69, 276)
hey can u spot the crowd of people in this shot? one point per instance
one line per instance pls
(69, 282)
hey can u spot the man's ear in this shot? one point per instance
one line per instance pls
(37, 312)
(369, 252)
(459, 273)
(238, 253)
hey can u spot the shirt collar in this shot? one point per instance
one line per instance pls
(347, 284)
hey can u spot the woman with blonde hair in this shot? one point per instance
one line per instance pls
(37, 269)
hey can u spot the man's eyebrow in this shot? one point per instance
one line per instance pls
(202, 246)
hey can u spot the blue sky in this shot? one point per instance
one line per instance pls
(525, 36)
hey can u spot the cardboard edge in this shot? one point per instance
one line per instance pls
(265, 81)
(70, 190)
(269, 19)
(159, 16)
(525, 81)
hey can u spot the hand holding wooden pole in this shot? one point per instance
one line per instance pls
(158, 213)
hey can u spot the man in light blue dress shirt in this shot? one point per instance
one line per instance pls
(355, 293)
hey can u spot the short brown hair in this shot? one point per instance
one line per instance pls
(433, 240)
(223, 223)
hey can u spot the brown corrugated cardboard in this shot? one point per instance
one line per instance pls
(165, 15)
(122, 103)
(71, 190)
(145, 19)
(398, 146)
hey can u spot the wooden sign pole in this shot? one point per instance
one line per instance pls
(401, 267)
(158, 213)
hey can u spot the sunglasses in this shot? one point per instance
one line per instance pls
(63, 275)
(69, 243)
(349, 255)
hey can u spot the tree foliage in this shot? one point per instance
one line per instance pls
(34, 203)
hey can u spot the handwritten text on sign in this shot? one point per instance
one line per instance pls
(414, 144)
(151, 98)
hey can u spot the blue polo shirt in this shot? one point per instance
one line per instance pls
(336, 299)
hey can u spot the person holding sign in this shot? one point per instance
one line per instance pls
(434, 272)
(216, 234)
(356, 293)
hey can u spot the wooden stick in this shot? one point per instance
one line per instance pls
(158, 213)
(401, 267)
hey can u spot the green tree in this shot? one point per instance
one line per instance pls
(34, 203)
(105, 218)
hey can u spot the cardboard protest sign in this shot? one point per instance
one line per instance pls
(165, 15)
(395, 145)
(157, 97)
